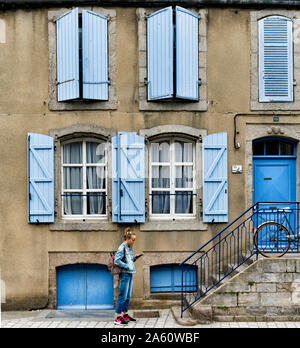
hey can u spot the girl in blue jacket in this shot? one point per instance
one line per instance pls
(125, 259)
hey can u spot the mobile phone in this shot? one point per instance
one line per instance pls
(139, 256)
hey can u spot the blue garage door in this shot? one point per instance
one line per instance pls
(84, 286)
(168, 278)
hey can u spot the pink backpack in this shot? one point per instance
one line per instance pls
(111, 266)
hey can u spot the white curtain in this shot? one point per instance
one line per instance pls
(160, 153)
(73, 178)
(95, 153)
(183, 177)
(72, 154)
(160, 178)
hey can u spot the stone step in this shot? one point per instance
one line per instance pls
(265, 290)
(203, 312)
(216, 283)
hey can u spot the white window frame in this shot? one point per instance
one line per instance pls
(172, 188)
(84, 189)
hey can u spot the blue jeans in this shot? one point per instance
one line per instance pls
(124, 293)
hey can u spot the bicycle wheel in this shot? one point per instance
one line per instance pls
(272, 237)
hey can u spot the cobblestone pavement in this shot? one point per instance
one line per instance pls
(166, 320)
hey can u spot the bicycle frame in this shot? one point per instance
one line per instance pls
(281, 216)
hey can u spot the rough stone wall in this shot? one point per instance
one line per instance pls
(268, 290)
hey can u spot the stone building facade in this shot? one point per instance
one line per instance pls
(38, 259)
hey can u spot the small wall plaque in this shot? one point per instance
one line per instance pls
(237, 169)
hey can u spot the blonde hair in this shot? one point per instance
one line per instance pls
(128, 233)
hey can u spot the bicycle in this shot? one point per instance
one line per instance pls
(273, 236)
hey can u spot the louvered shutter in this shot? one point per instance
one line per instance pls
(67, 56)
(95, 56)
(128, 183)
(215, 195)
(40, 167)
(160, 54)
(275, 59)
(187, 38)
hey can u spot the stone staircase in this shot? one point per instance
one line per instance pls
(260, 290)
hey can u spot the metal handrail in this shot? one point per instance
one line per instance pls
(218, 234)
(221, 255)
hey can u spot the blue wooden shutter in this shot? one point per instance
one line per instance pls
(67, 56)
(128, 183)
(40, 167)
(275, 59)
(160, 54)
(215, 195)
(187, 72)
(95, 56)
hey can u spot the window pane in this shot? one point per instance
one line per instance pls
(73, 204)
(73, 178)
(184, 177)
(95, 152)
(96, 203)
(272, 147)
(258, 148)
(160, 176)
(183, 203)
(95, 177)
(183, 152)
(160, 152)
(286, 149)
(72, 153)
(160, 202)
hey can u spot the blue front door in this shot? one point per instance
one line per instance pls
(274, 181)
(84, 286)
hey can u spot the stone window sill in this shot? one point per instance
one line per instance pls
(173, 226)
(83, 226)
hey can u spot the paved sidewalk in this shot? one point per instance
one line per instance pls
(37, 319)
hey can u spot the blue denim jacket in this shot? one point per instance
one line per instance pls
(127, 267)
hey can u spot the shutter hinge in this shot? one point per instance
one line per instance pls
(199, 82)
(294, 83)
(200, 138)
(55, 213)
(29, 196)
(59, 83)
(146, 82)
(54, 147)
